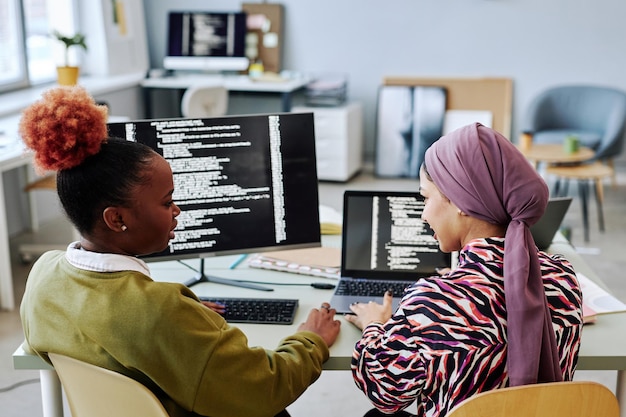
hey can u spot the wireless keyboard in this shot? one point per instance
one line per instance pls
(257, 310)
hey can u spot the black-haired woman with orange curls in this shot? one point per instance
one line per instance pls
(97, 303)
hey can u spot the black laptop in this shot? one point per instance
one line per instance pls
(385, 245)
(544, 230)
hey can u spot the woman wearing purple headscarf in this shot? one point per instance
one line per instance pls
(507, 315)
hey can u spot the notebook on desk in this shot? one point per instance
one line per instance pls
(544, 230)
(385, 245)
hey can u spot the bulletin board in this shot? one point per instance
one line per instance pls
(491, 94)
(265, 34)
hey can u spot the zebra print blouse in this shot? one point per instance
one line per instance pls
(447, 340)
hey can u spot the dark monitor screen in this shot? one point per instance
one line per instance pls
(385, 237)
(206, 41)
(243, 183)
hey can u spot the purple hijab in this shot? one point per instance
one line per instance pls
(484, 175)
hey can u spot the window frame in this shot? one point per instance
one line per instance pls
(66, 8)
(21, 81)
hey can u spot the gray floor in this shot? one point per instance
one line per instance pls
(334, 393)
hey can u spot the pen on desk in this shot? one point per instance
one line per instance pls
(239, 260)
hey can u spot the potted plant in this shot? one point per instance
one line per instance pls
(68, 74)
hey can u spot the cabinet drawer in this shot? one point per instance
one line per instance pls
(330, 125)
(335, 169)
(331, 121)
(338, 140)
(331, 146)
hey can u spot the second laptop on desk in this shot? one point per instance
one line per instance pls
(385, 245)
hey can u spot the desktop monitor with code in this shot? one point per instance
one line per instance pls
(206, 41)
(243, 183)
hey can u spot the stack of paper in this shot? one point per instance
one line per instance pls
(330, 221)
(597, 300)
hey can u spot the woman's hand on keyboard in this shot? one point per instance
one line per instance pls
(322, 321)
(217, 307)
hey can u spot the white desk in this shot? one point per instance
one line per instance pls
(241, 83)
(15, 156)
(603, 344)
(12, 156)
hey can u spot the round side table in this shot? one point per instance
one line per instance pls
(554, 154)
(585, 174)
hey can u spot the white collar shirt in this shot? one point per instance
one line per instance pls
(103, 262)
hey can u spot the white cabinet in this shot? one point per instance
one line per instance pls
(338, 140)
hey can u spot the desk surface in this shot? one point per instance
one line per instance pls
(12, 150)
(603, 345)
(12, 155)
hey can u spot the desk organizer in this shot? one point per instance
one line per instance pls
(327, 90)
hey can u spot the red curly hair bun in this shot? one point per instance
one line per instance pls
(63, 128)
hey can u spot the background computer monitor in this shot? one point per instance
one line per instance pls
(206, 41)
(243, 183)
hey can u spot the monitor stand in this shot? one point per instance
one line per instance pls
(202, 277)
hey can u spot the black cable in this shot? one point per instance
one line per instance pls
(272, 283)
(19, 384)
(318, 285)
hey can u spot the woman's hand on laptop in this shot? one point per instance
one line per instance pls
(372, 312)
(442, 271)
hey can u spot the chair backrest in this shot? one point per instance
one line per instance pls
(555, 399)
(97, 392)
(204, 101)
(584, 108)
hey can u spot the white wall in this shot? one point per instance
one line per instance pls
(537, 43)
(116, 38)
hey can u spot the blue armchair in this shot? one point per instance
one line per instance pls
(597, 115)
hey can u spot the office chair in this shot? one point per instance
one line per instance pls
(97, 392)
(204, 101)
(555, 399)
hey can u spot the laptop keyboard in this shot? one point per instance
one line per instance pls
(257, 310)
(370, 288)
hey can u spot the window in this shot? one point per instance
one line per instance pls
(12, 62)
(28, 55)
